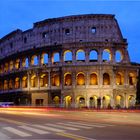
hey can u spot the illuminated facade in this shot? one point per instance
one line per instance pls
(74, 61)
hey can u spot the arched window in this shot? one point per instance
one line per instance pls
(80, 79)
(93, 56)
(55, 80)
(34, 60)
(118, 56)
(11, 65)
(67, 56)
(17, 64)
(106, 79)
(44, 80)
(44, 58)
(10, 84)
(34, 81)
(119, 79)
(80, 55)
(24, 82)
(56, 57)
(67, 79)
(132, 79)
(93, 79)
(6, 67)
(17, 83)
(26, 62)
(5, 84)
(106, 55)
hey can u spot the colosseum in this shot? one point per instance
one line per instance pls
(73, 61)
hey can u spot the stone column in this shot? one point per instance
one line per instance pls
(73, 56)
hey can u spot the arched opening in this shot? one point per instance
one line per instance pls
(1, 86)
(10, 84)
(131, 101)
(93, 56)
(80, 100)
(6, 67)
(80, 79)
(119, 79)
(56, 101)
(44, 58)
(93, 102)
(106, 101)
(5, 85)
(44, 80)
(106, 79)
(34, 81)
(34, 60)
(11, 65)
(55, 80)
(24, 82)
(56, 57)
(80, 55)
(118, 56)
(132, 79)
(119, 101)
(67, 101)
(106, 55)
(67, 79)
(17, 64)
(68, 56)
(26, 62)
(93, 79)
(17, 83)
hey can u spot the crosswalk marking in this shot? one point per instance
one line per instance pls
(48, 128)
(17, 132)
(75, 125)
(60, 126)
(38, 131)
(90, 125)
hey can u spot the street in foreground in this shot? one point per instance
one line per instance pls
(44, 124)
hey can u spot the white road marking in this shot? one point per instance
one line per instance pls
(60, 126)
(75, 125)
(90, 125)
(17, 132)
(38, 131)
(48, 128)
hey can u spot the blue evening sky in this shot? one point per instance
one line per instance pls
(23, 13)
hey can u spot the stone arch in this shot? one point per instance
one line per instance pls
(119, 78)
(34, 82)
(34, 60)
(118, 56)
(11, 67)
(10, 84)
(80, 55)
(68, 56)
(93, 56)
(106, 101)
(80, 78)
(93, 79)
(132, 78)
(25, 62)
(67, 79)
(56, 101)
(131, 101)
(17, 82)
(56, 57)
(43, 80)
(93, 101)
(24, 82)
(55, 80)
(119, 99)
(5, 85)
(67, 101)
(17, 63)
(106, 79)
(80, 101)
(106, 57)
(44, 58)
(6, 67)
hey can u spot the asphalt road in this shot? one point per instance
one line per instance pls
(28, 124)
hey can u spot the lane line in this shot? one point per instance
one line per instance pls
(17, 132)
(75, 125)
(48, 128)
(38, 131)
(84, 124)
(60, 126)
(74, 136)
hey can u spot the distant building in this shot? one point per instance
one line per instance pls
(73, 61)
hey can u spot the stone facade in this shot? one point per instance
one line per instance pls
(73, 61)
